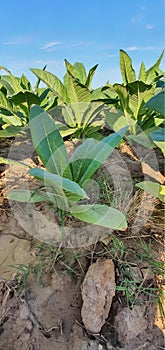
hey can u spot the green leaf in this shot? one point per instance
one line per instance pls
(96, 94)
(47, 141)
(77, 70)
(157, 103)
(101, 215)
(152, 72)
(4, 103)
(12, 81)
(64, 114)
(25, 83)
(77, 91)
(88, 157)
(27, 96)
(142, 73)
(11, 119)
(117, 120)
(124, 98)
(27, 196)
(90, 76)
(6, 85)
(92, 113)
(153, 188)
(71, 69)
(38, 81)
(11, 131)
(127, 71)
(13, 162)
(81, 72)
(158, 138)
(139, 93)
(62, 185)
(52, 82)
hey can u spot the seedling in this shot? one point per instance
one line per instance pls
(64, 179)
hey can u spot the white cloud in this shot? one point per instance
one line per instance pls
(132, 48)
(50, 45)
(143, 48)
(149, 26)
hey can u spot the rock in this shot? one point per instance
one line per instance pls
(98, 290)
(130, 323)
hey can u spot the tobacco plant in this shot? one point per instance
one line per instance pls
(133, 95)
(64, 181)
(80, 109)
(16, 98)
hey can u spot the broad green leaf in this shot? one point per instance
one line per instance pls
(88, 157)
(96, 94)
(81, 72)
(77, 91)
(5, 103)
(93, 112)
(142, 73)
(52, 82)
(158, 138)
(12, 81)
(106, 94)
(101, 215)
(38, 81)
(117, 120)
(11, 119)
(157, 103)
(64, 114)
(109, 91)
(77, 70)
(7, 86)
(47, 100)
(11, 131)
(2, 88)
(124, 98)
(25, 83)
(139, 93)
(13, 162)
(47, 141)
(153, 188)
(65, 131)
(154, 70)
(127, 71)
(90, 76)
(62, 185)
(71, 69)
(25, 97)
(27, 196)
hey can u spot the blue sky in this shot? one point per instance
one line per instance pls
(38, 32)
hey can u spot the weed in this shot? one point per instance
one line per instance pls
(140, 281)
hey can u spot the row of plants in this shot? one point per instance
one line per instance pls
(133, 111)
(130, 103)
